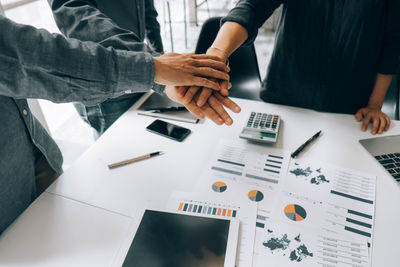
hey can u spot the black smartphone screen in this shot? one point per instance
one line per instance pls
(168, 130)
(176, 240)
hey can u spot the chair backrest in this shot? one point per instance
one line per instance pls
(245, 74)
(392, 99)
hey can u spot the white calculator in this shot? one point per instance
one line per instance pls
(261, 127)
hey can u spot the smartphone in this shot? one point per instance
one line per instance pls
(168, 130)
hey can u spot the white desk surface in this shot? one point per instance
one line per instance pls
(56, 231)
(150, 182)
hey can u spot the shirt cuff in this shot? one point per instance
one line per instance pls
(136, 72)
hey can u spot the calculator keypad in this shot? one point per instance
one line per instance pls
(263, 121)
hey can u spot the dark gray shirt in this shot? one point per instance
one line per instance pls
(327, 52)
(37, 64)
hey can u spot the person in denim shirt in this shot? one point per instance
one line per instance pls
(101, 21)
(37, 64)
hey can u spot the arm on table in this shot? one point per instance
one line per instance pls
(372, 112)
(389, 65)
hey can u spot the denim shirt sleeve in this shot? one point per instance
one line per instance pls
(83, 20)
(390, 54)
(252, 14)
(37, 64)
(153, 27)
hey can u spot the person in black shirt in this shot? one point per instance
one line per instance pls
(332, 55)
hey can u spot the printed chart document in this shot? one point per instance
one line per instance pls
(283, 244)
(247, 172)
(337, 199)
(219, 207)
(308, 197)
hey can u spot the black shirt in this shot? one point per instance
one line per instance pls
(327, 52)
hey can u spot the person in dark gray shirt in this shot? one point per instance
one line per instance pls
(332, 55)
(108, 23)
(37, 64)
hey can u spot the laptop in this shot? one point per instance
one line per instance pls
(386, 150)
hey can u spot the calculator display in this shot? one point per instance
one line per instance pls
(270, 135)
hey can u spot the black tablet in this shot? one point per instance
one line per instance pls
(169, 239)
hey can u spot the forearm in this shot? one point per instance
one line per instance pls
(381, 87)
(230, 37)
(37, 64)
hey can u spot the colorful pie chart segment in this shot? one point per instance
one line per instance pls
(255, 195)
(219, 187)
(295, 212)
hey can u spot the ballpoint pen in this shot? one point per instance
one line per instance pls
(301, 148)
(129, 161)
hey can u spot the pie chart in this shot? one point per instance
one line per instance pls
(295, 212)
(219, 187)
(255, 195)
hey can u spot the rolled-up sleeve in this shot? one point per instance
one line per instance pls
(390, 54)
(37, 64)
(252, 14)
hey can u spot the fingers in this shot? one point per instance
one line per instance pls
(227, 102)
(375, 124)
(211, 63)
(190, 93)
(365, 122)
(181, 91)
(203, 82)
(204, 95)
(209, 73)
(219, 109)
(195, 110)
(212, 114)
(359, 115)
(225, 86)
(387, 122)
(382, 125)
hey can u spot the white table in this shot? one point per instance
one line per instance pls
(150, 182)
(56, 231)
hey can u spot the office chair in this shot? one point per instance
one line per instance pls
(392, 100)
(245, 75)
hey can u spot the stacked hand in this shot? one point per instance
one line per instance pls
(189, 69)
(380, 121)
(204, 100)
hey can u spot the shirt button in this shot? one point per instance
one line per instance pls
(25, 112)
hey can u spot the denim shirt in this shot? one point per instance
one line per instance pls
(116, 24)
(37, 64)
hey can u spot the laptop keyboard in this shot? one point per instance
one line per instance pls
(391, 162)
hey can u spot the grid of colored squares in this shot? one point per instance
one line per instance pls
(206, 210)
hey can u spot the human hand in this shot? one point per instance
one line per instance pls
(190, 70)
(206, 92)
(213, 109)
(380, 121)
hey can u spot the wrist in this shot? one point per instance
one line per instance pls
(218, 52)
(156, 69)
(374, 105)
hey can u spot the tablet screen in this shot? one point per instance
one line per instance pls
(175, 240)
